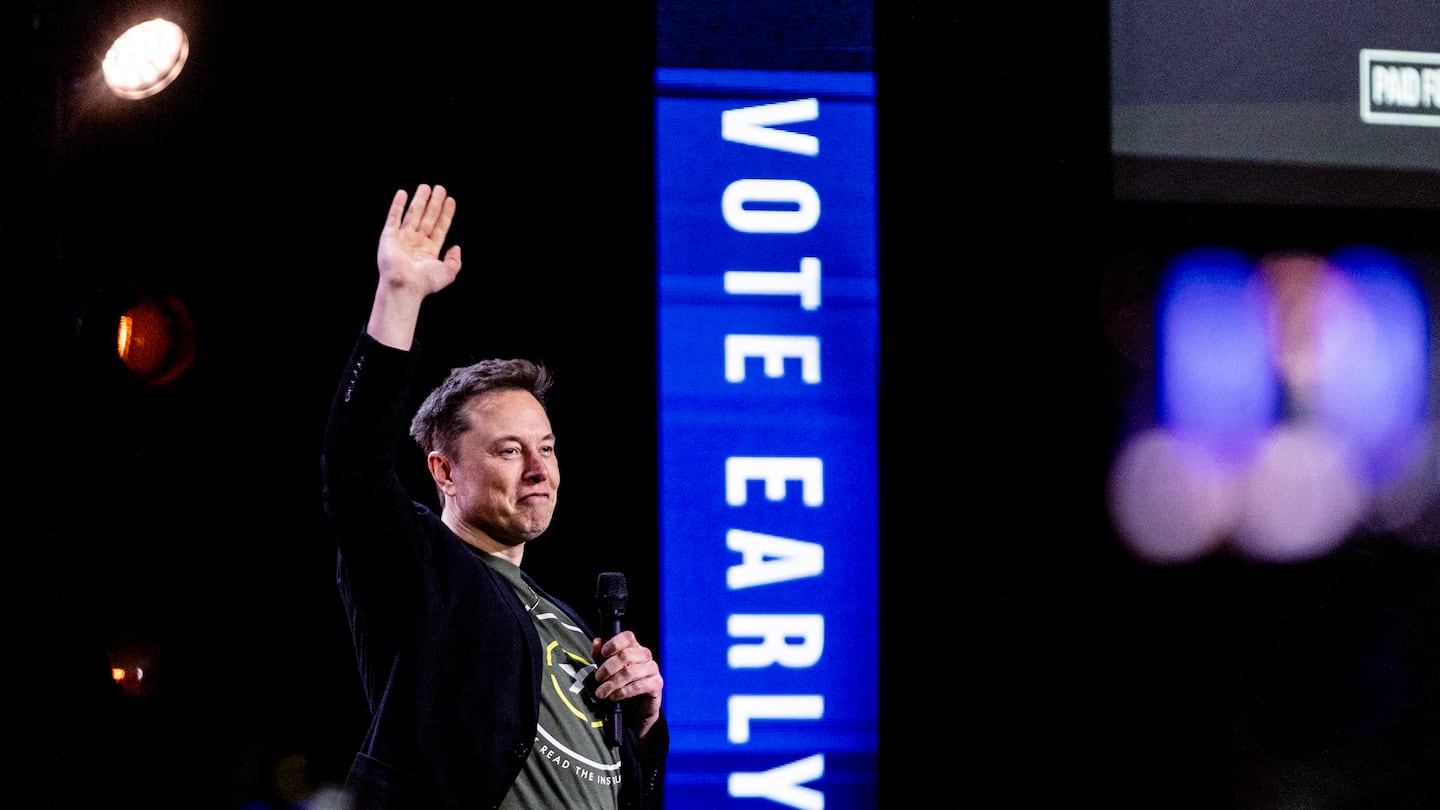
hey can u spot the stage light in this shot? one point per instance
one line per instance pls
(145, 59)
(155, 338)
(133, 661)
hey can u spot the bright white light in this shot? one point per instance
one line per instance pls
(1171, 502)
(145, 59)
(1302, 496)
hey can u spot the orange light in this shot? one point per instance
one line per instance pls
(118, 673)
(155, 339)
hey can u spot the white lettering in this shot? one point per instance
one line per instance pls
(783, 784)
(805, 283)
(788, 640)
(785, 206)
(775, 471)
(774, 349)
(744, 708)
(766, 559)
(1430, 87)
(776, 631)
(1395, 86)
(751, 125)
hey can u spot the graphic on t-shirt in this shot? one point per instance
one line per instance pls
(568, 736)
(560, 662)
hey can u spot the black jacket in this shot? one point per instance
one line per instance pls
(449, 659)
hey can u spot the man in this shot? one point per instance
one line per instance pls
(484, 690)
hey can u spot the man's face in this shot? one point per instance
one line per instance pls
(504, 481)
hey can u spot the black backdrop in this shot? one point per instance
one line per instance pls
(182, 523)
(189, 516)
(1219, 684)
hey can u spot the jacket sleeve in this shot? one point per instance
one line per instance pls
(651, 765)
(372, 514)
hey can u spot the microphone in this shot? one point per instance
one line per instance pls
(611, 594)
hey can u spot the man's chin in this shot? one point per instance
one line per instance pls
(530, 529)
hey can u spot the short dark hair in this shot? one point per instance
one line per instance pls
(442, 418)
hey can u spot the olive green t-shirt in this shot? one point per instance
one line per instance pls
(570, 765)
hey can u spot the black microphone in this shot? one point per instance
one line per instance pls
(611, 594)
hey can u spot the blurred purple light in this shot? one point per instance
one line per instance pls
(1292, 401)
(1372, 356)
(1218, 387)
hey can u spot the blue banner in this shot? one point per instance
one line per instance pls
(768, 378)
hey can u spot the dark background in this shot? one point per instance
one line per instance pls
(180, 526)
(1020, 641)
(1222, 683)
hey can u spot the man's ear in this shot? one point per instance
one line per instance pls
(440, 471)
